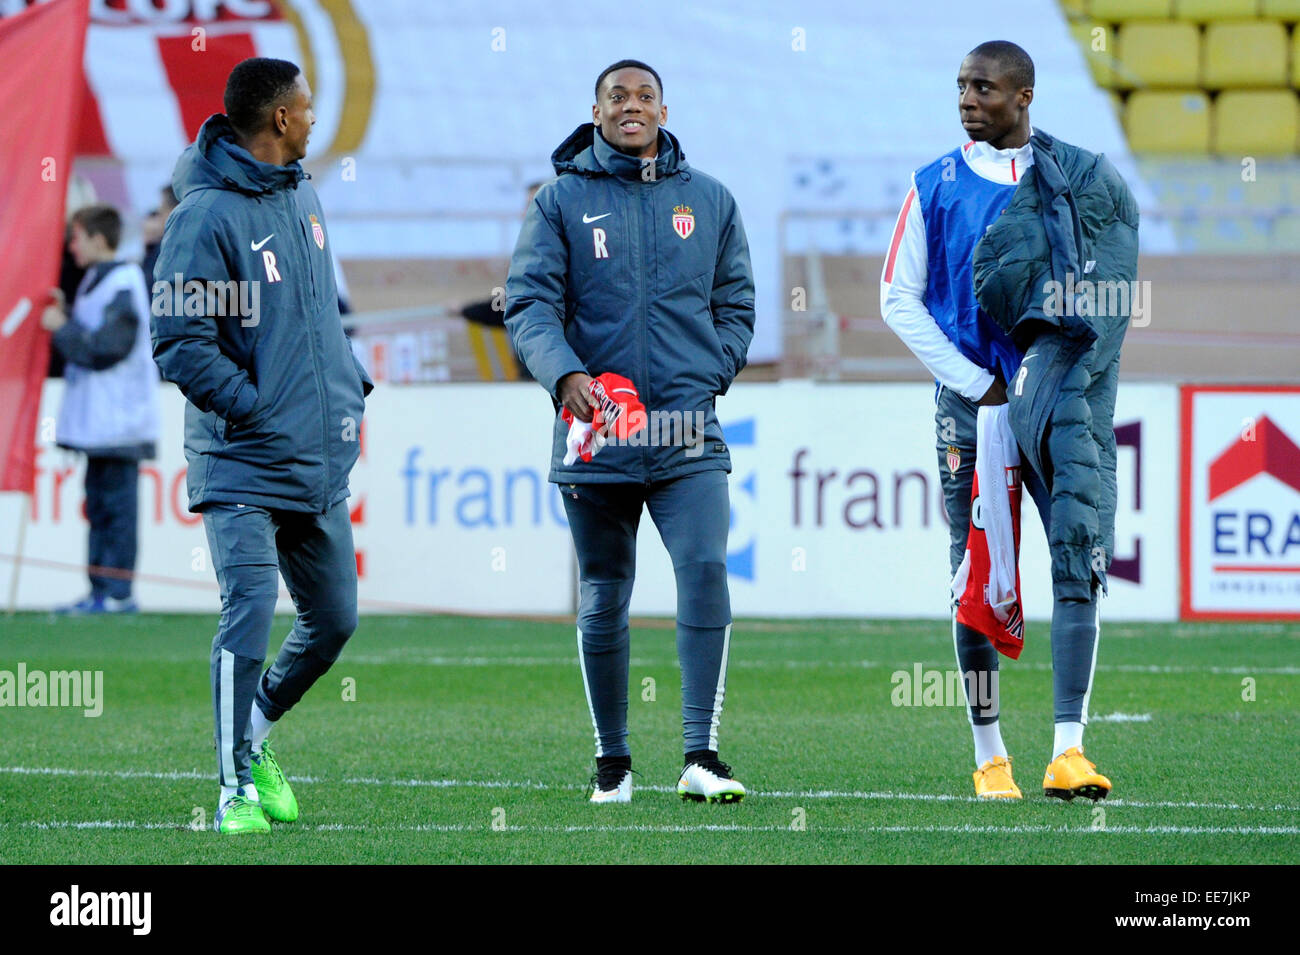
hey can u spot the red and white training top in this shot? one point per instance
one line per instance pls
(906, 274)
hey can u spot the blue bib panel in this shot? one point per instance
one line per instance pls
(957, 211)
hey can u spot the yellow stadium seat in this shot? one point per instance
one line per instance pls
(1256, 123)
(1244, 54)
(1295, 57)
(1115, 10)
(1098, 49)
(1168, 121)
(1281, 9)
(1204, 10)
(1157, 55)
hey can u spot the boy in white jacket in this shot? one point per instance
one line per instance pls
(110, 400)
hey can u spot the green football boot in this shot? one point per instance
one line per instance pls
(272, 786)
(239, 815)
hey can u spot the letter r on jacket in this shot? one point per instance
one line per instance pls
(268, 259)
(598, 241)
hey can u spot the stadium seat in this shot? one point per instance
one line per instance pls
(1280, 9)
(1295, 57)
(1099, 61)
(1117, 10)
(1206, 10)
(1256, 123)
(1168, 121)
(1157, 54)
(1244, 54)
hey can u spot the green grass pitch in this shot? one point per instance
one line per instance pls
(469, 741)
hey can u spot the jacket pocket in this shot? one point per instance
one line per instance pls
(256, 418)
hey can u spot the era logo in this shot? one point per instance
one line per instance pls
(268, 259)
(598, 242)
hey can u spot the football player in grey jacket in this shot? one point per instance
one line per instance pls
(273, 424)
(633, 263)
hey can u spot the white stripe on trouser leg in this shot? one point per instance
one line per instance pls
(970, 712)
(1092, 671)
(226, 690)
(721, 691)
(586, 688)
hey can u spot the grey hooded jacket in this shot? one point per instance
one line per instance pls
(275, 394)
(644, 273)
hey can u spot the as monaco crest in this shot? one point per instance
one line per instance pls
(954, 459)
(683, 221)
(317, 232)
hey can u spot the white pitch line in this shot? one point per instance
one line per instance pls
(857, 794)
(705, 827)
(947, 797)
(128, 773)
(419, 659)
(1121, 718)
(448, 783)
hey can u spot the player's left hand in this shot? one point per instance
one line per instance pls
(53, 318)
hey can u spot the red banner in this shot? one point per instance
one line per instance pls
(40, 99)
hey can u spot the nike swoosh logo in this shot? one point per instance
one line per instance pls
(586, 218)
(257, 245)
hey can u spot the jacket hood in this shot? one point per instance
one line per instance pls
(588, 153)
(215, 161)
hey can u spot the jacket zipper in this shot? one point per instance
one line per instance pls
(312, 347)
(642, 197)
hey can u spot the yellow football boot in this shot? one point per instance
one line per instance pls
(993, 780)
(1071, 775)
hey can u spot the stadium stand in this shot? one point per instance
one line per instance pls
(1195, 101)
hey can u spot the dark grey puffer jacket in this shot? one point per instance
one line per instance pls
(275, 404)
(645, 276)
(1057, 272)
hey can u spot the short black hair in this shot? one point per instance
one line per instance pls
(100, 219)
(1013, 59)
(255, 86)
(629, 64)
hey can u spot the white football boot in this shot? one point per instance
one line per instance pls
(707, 779)
(613, 779)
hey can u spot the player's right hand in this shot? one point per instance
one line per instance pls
(574, 393)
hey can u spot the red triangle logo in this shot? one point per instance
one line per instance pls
(1272, 452)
